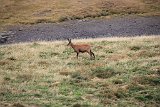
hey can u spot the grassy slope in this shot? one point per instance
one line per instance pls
(126, 72)
(39, 11)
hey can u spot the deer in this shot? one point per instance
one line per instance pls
(81, 48)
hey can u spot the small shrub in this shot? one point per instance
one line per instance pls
(44, 21)
(71, 64)
(121, 93)
(54, 53)
(63, 18)
(45, 55)
(7, 78)
(11, 58)
(87, 63)
(135, 88)
(43, 63)
(23, 77)
(135, 48)
(5, 62)
(156, 46)
(67, 51)
(109, 51)
(76, 17)
(106, 94)
(47, 105)
(144, 97)
(103, 72)
(149, 95)
(1, 54)
(154, 81)
(148, 80)
(77, 77)
(81, 105)
(18, 105)
(65, 54)
(34, 45)
(64, 73)
(76, 105)
(140, 70)
(117, 81)
(37, 95)
(104, 13)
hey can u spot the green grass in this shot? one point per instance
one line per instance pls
(126, 72)
(15, 12)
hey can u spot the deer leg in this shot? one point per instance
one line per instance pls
(77, 55)
(92, 55)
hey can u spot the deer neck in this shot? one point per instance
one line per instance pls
(72, 45)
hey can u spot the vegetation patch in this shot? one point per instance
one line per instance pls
(78, 77)
(33, 12)
(135, 48)
(23, 77)
(34, 45)
(63, 18)
(149, 79)
(124, 73)
(104, 72)
(1, 54)
(46, 55)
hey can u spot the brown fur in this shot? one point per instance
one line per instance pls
(81, 48)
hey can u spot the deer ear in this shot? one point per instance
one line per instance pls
(69, 40)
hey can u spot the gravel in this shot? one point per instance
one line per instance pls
(93, 28)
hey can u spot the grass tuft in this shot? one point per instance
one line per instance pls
(104, 72)
(135, 48)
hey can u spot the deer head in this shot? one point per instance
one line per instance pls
(69, 40)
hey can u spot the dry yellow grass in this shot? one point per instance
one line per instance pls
(39, 11)
(124, 73)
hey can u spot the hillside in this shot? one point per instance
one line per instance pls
(126, 72)
(40, 11)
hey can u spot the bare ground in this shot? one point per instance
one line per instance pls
(93, 28)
